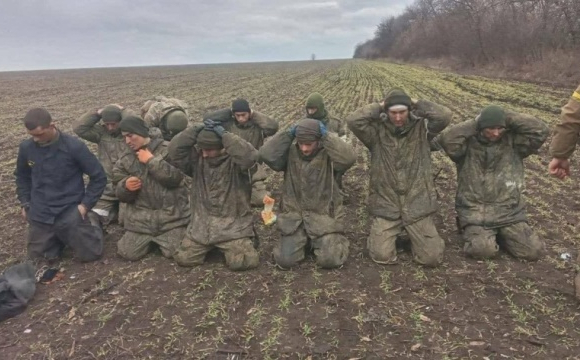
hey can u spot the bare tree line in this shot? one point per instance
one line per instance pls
(481, 32)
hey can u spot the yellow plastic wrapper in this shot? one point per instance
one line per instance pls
(268, 215)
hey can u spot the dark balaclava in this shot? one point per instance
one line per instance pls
(316, 100)
(491, 116)
(135, 125)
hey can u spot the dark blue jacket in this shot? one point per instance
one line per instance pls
(50, 179)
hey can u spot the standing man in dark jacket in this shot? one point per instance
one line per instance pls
(402, 194)
(50, 188)
(489, 152)
(254, 127)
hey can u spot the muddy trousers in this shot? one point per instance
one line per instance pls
(331, 250)
(426, 244)
(134, 246)
(518, 239)
(84, 236)
(240, 254)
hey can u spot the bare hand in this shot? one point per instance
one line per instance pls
(82, 210)
(23, 213)
(559, 168)
(133, 183)
(144, 155)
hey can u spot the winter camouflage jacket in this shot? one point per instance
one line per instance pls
(254, 131)
(162, 202)
(310, 194)
(154, 111)
(110, 147)
(220, 194)
(490, 175)
(567, 133)
(401, 183)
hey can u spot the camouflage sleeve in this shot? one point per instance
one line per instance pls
(274, 152)
(146, 107)
(119, 177)
(529, 132)
(222, 115)
(339, 126)
(340, 152)
(268, 125)
(153, 115)
(242, 152)
(166, 174)
(454, 139)
(181, 151)
(567, 133)
(363, 122)
(438, 116)
(86, 127)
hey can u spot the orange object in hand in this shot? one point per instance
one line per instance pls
(144, 155)
(268, 215)
(133, 183)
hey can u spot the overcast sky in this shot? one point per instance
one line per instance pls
(48, 34)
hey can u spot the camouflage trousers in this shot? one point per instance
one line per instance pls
(84, 236)
(518, 239)
(134, 246)
(330, 250)
(259, 186)
(426, 244)
(240, 254)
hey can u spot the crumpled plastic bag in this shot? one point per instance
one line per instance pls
(17, 287)
(268, 215)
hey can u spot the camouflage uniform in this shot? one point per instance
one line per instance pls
(154, 113)
(258, 128)
(158, 212)
(110, 147)
(311, 206)
(490, 181)
(565, 137)
(402, 193)
(221, 216)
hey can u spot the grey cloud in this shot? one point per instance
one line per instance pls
(66, 33)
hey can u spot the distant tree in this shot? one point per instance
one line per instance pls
(313, 57)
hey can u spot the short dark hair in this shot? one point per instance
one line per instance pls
(37, 117)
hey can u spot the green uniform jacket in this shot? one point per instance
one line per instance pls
(220, 193)
(254, 131)
(310, 194)
(490, 175)
(162, 202)
(401, 183)
(110, 147)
